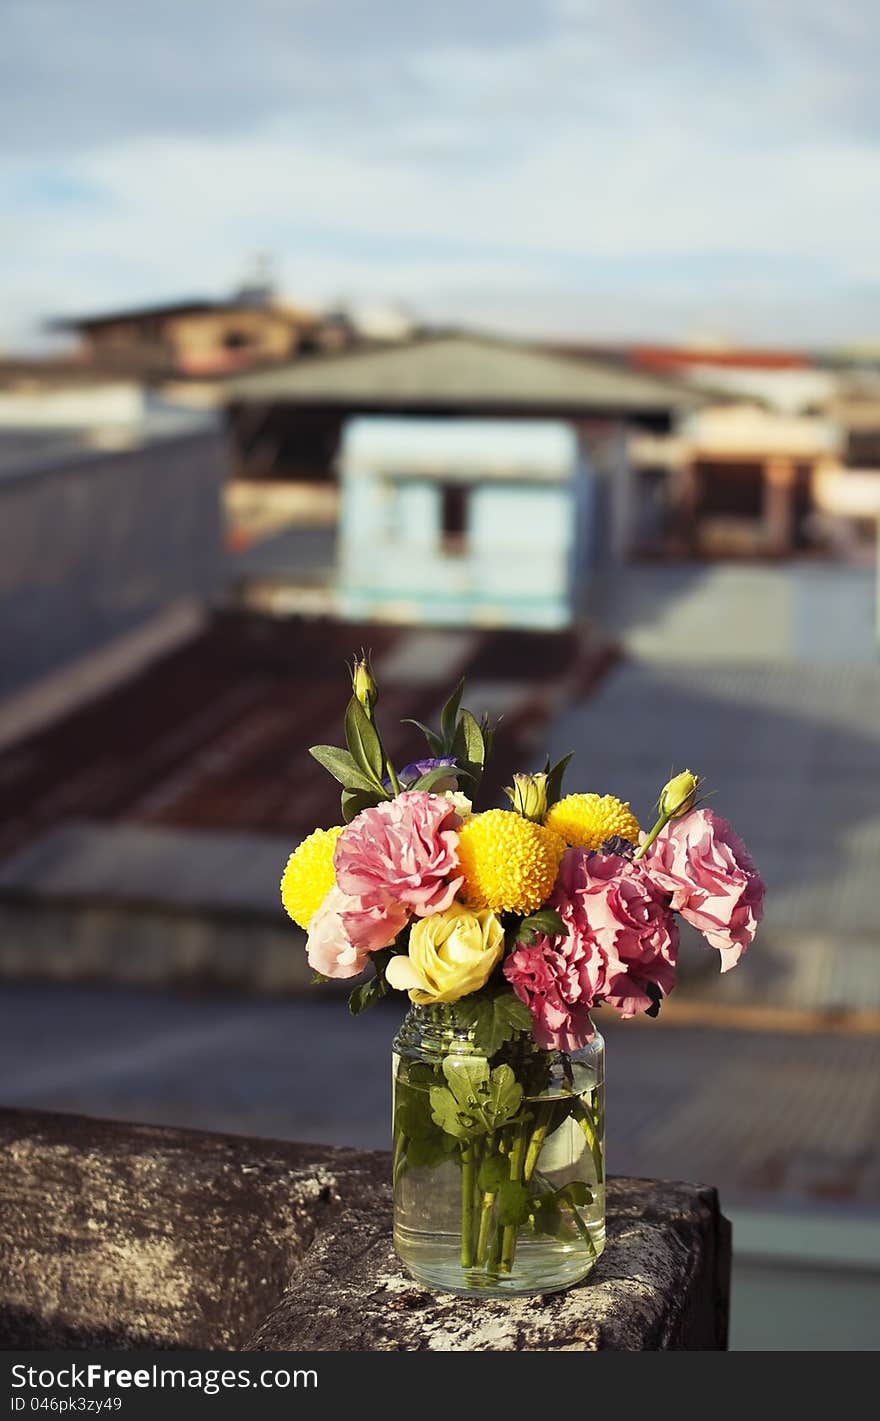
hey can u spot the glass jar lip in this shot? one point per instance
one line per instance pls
(424, 1027)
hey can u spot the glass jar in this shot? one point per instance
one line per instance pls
(499, 1176)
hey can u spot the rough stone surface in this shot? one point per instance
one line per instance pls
(660, 1285)
(130, 1236)
(126, 1236)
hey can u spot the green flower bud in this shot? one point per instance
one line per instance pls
(363, 685)
(679, 795)
(528, 795)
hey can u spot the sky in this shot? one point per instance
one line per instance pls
(708, 169)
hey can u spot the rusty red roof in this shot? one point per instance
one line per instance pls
(216, 734)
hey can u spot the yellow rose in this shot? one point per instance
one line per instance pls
(450, 955)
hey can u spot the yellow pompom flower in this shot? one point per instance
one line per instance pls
(309, 875)
(586, 820)
(509, 864)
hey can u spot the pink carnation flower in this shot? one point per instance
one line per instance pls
(343, 932)
(405, 851)
(621, 938)
(713, 882)
(558, 988)
(632, 920)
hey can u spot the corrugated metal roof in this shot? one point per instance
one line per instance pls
(464, 371)
(215, 735)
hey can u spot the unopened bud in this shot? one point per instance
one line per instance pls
(528, 795)
(363, 685)
(678, 796)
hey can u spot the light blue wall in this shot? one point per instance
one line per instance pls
(524, 557)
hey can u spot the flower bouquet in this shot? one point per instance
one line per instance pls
(506, 927)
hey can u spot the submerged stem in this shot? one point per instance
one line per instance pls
(589, 1127)
(487, 1210)
(583, 1230)
(467, 1207)
(536, 1144)
(508, 1240)
(400, 1144)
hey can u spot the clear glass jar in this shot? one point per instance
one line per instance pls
(499, 1171)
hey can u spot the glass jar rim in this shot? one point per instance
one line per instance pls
(431, 1028)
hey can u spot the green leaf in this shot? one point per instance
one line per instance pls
(494, 1016)
(449, 1116)
(505, 1096)
(430, 1150)
(494, 1170)
(343, 768)
(367, 995)
(449, 716)
(475, 746)
(435, 744)
(432, 777)
(554, 778)
(457, 1107)
(354, 800)
(474, 1101)
(363, 741)
(317, 979)
(412, 1112)
(513, 1203)
(487, 730)
(546, 921)
(576, 1194)
(546, 1216)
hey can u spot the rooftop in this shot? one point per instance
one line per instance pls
(215, 735)
(670, 358)
(251, 299)
(459, 372)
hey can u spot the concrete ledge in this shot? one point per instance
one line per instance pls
(125, 1236)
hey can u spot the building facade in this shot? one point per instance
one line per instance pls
(477, 522)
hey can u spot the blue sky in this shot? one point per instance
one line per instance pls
(629, 168)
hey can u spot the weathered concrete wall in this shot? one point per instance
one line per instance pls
(97, 543)
(125, 1236)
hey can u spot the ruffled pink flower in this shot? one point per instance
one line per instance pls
(405, 851)
(558, 987)
(631, 919)
(713, 882)
(343, 932)
(621, 940)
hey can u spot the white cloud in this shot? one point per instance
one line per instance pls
(552, 163)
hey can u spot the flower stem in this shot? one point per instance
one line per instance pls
(581, 1227)
(589, 1127)
(389, 768)
(485, 1233)
(392, 775)
(536, 1144)
(399, 1150)
(467, 1206)
(661, 824)
(583, 1230)
(508, 1242)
